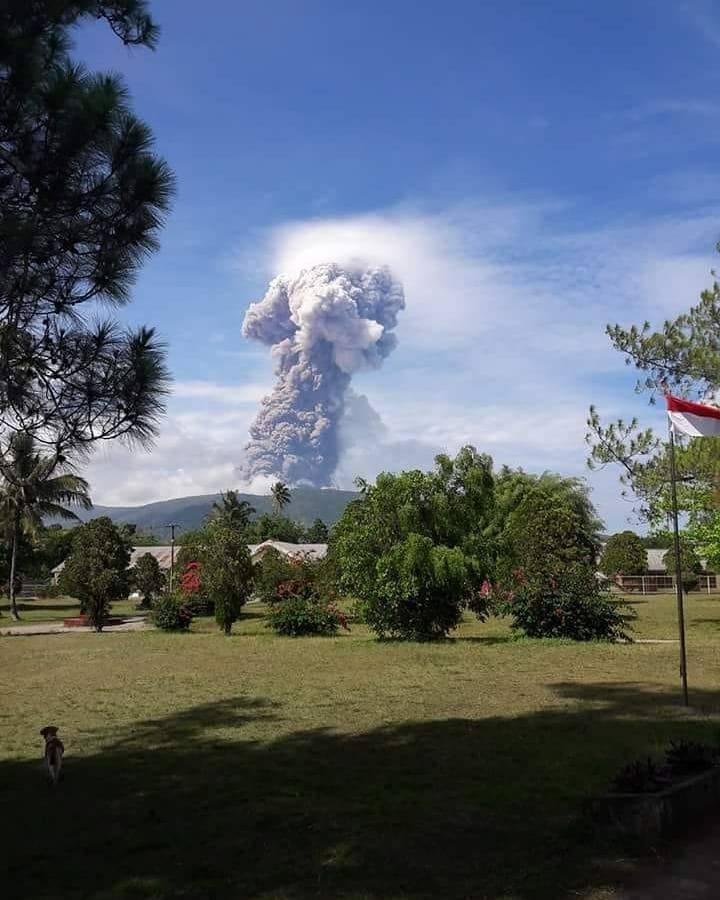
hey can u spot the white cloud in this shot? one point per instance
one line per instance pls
(200, 443)
(232, 395)
(502, 343)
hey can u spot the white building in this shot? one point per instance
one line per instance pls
(163, 554)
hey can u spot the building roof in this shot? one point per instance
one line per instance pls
(655, 559)
(655, 564)
(164, 554)
(292, 551)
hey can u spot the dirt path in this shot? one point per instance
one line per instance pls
(137, 623)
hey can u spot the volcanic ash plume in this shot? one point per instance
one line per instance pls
(322, 326)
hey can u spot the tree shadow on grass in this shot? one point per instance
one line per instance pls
(32, 606)
(715, 622)
(188, 806)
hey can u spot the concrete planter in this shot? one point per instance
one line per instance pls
(84, 622)
(647, 816)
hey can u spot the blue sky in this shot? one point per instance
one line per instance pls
(531, 171)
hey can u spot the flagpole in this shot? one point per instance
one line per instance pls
(678, 567)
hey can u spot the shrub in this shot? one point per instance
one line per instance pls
(687, 757)
(171, 612)
(419, 592)
(49, 592)
(200, 605)
(301, 612)
(569, 605)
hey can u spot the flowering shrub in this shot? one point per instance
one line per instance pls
(297, 616)
(300, 610)
(171, 612)
(683, 759)
(642, 777)
(570, 605)
(190, 587)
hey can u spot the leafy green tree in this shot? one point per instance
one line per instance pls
(82, 199)
(705, 537)
(148, 578)
(519, 497)
(420, 590)
(623, 554)
(378, 534)
(273, 527)
(33, 486)
(53, 545)
(231, 511)
(659, 538)
(96, 572)
(544, 535)
(317, 533)
(280, 493)
(226, 573)
(517, 491)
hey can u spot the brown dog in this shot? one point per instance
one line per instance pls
(54, 750)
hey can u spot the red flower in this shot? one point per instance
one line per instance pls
(190, 581)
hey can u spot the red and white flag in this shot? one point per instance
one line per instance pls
(694, 419)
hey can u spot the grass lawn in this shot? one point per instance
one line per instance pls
(200, 766)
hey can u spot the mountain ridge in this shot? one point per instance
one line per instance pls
(306, 505)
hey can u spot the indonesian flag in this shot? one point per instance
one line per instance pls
(694, 419)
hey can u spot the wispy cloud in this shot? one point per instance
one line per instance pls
(704, 16)
(695, 107)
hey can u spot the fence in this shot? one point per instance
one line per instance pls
(30, 588)
(654, 584)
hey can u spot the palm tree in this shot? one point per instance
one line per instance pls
(232, 511)
(281, 496)
(33, 486)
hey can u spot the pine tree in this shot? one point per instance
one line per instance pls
(82, 198)
(681, 357)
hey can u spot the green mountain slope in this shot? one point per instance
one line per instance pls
(307, 504)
